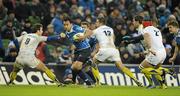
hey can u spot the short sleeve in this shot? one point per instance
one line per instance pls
(42, 38)
(79, 29)
(20, 38)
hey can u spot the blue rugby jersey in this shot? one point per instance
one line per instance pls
(177, 36)
(92, 41)
(81, 44)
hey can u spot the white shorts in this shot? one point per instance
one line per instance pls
(26, 60)
(109, 54)
(156, 59)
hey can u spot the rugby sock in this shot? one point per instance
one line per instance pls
(160, 79)
(128, 72)
(165, 69)
(151, 71)
(95, 72)
(83, 76)
(51, 75)
(74, 74)
(13, 76)
(149, 78)
(91, 75)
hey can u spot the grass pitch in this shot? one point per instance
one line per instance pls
(32, 90)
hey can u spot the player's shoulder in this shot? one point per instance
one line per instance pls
(149, 27)
(77, 28)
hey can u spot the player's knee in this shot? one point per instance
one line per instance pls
(76, 66)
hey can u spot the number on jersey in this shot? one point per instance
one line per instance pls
(27, 41)
(156, 32)
(107, 33)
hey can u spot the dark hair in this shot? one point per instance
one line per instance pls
(36, 27)
(85, 23)
(138, 18)
(174, 23)
(67, 18)
(102, 20)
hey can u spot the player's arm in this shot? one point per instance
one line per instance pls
(87, 34)
(130, 39)
(95, 50)
(147, 40)
(52, 38)
(176, 51)
(16, 41)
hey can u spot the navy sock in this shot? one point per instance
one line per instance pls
(83, 76)
(91, 75)
(74, 74)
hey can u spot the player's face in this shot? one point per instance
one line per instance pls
(136, 23)
(172, 29)
(84, 26)
(40, 32)
(97, 23)
(67, 25)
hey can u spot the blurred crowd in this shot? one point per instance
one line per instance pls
(18, 16)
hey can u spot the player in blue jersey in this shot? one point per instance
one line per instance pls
(90, 68)
(82, 50)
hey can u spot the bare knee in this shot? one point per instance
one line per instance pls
(77, 65)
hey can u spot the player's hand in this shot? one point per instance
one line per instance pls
(171, 60)
(62, 35)
(152, 52)
(149, 51)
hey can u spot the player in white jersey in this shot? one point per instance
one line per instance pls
(155, 54)
(26, 56)
(107, 50)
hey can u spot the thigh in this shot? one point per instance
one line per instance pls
(102, 55)
(153, 59)
(82, 56)
(32, 61)
(115, 55)
(145, 64)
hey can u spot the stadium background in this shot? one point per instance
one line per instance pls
(20, 15)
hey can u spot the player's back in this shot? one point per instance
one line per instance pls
(156, 37)
(29, 43)
(105, 36)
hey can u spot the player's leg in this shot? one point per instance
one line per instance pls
(124, 69)
(88, 71)
(148, 70)
(77, 70)
(93, 71)
(148, 77)
(41, 66)
(13, 74)
(115, 57)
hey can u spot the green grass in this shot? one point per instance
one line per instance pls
(32, 90)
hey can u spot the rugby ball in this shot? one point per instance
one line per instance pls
(76, 36)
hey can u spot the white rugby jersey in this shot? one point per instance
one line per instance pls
(29, 42)
(105, 36)
(156, 37)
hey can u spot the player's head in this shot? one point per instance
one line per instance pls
(137, 20)
(38, 29)
(85, 25)
(67, 23)
(100, 21)
(173, 26)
